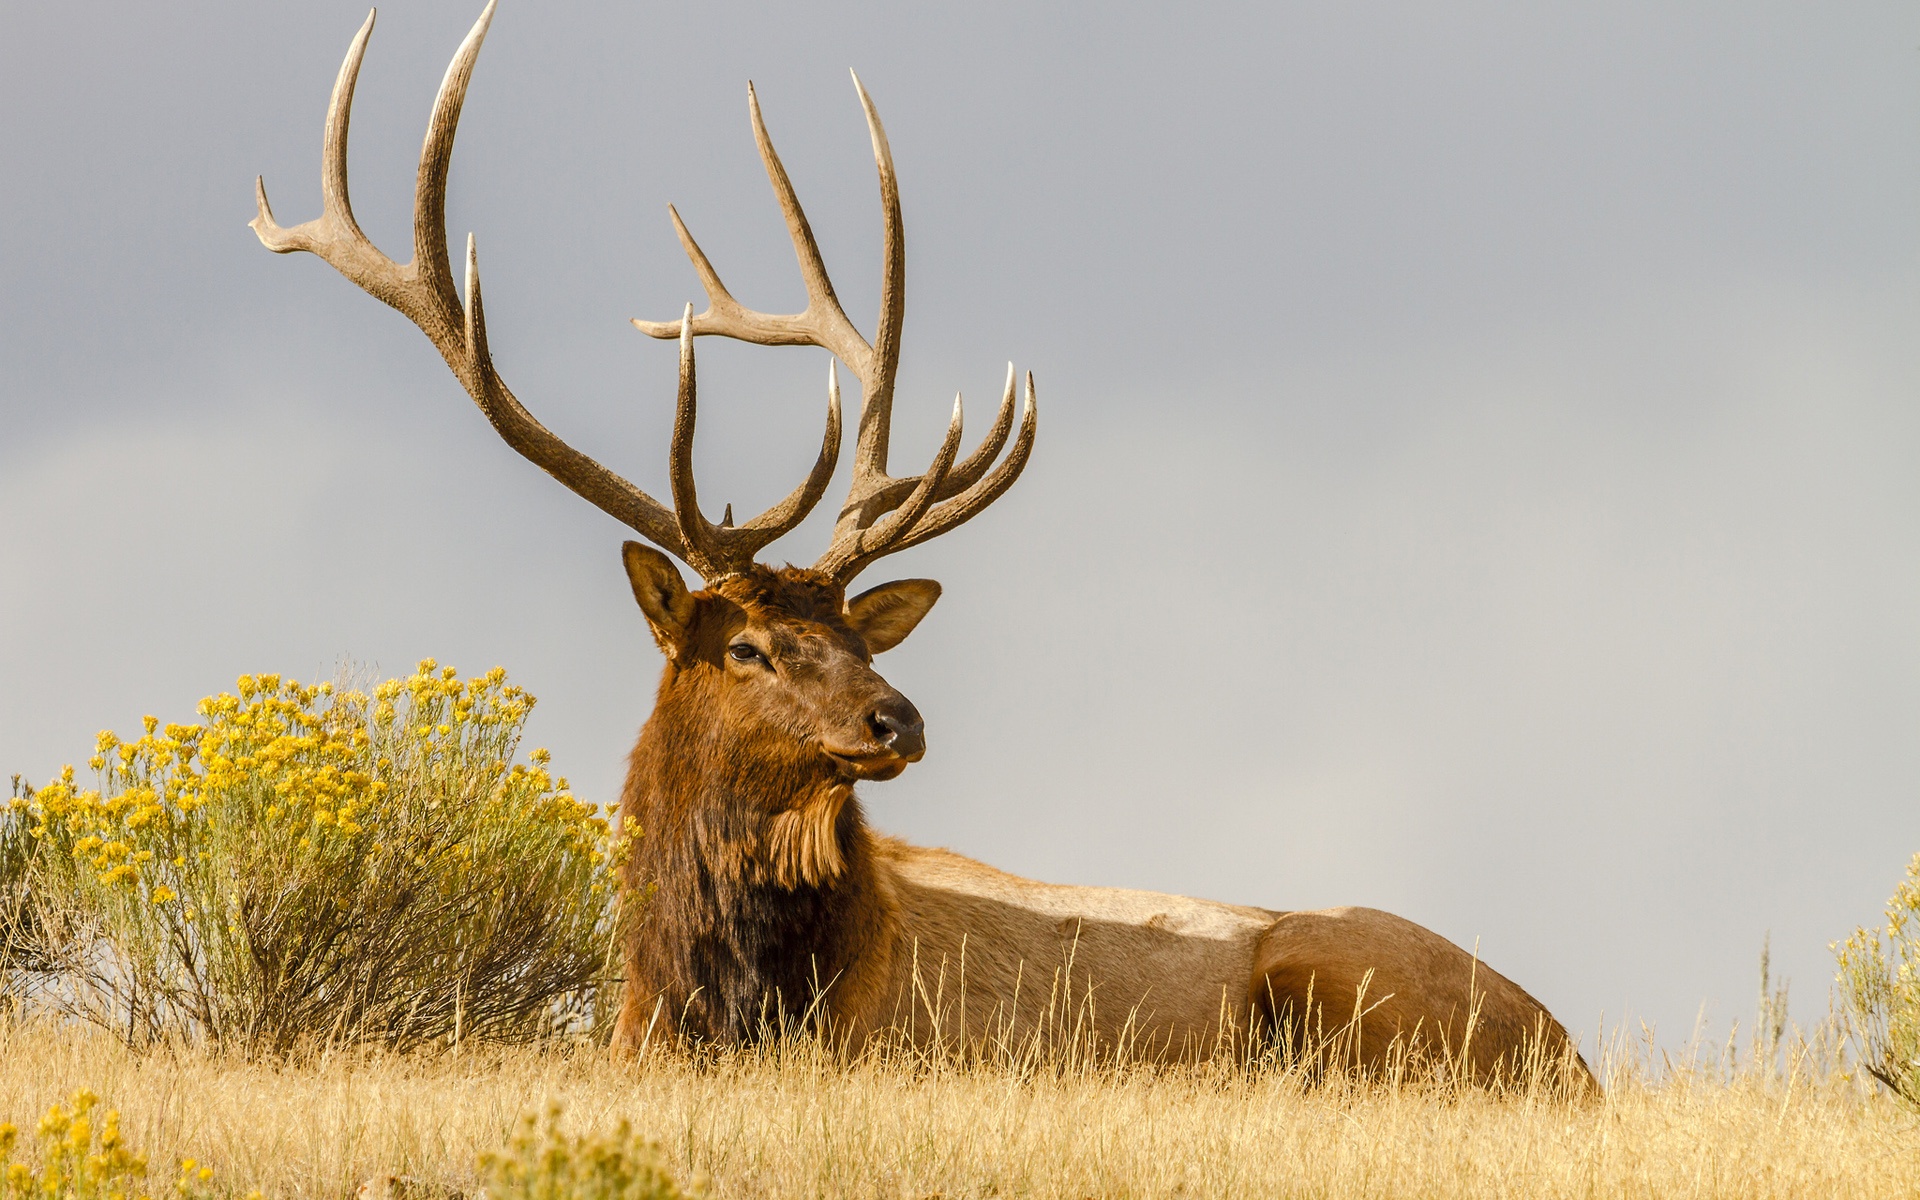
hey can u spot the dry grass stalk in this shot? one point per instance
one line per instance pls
(793, 1121)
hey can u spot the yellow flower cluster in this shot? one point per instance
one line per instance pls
(78, 1162)
(303, 771)
(272, 740)
(441, 704)
(74, 1160)
(104, 831)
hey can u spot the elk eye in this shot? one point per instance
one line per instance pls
(745, 652)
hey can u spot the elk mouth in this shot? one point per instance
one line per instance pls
(876, 763)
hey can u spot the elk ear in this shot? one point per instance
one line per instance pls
(662, 594)
(885, 615)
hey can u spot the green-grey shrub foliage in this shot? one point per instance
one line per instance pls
(317, 866)
(1880, 991)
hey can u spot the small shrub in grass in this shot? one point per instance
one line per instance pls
(545, 1164)
(75, 1159)
(319, 866)
(1880, 991)
(16, 851)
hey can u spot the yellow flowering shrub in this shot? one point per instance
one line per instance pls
(546, 1164)
(77, 1160)
(1880, 991)
(314, 865)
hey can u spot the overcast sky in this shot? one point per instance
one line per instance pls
(1477, 458)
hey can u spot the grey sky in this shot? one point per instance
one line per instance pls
(1476, 472)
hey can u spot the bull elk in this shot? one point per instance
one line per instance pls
(768, 891)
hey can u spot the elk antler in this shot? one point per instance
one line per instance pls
(882, 514)
(423, 291)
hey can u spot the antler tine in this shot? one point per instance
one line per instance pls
(474, 326)
(823, 306)
(703, 551)
(334, 234)
(968, 470)
(922, 497)
(436, 157)
(422, 290)
(975, 465)
(822, 323)
(944, 517)
(848, 553)
(876, 407)
(334, 195)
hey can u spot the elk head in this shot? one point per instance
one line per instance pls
(779, 662)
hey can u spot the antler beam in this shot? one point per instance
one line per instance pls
(882, 514)
(422, 290)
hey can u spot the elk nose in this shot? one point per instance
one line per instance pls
(898, 727)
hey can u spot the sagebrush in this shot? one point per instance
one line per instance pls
(1880, 991)
(312, 864)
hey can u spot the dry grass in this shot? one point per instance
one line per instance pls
(795, 1124)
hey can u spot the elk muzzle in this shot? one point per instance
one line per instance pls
(896, 736)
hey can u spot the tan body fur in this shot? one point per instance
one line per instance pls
(972, 957)
(1158, 974)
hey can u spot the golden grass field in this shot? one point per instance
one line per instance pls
(796, 1123)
